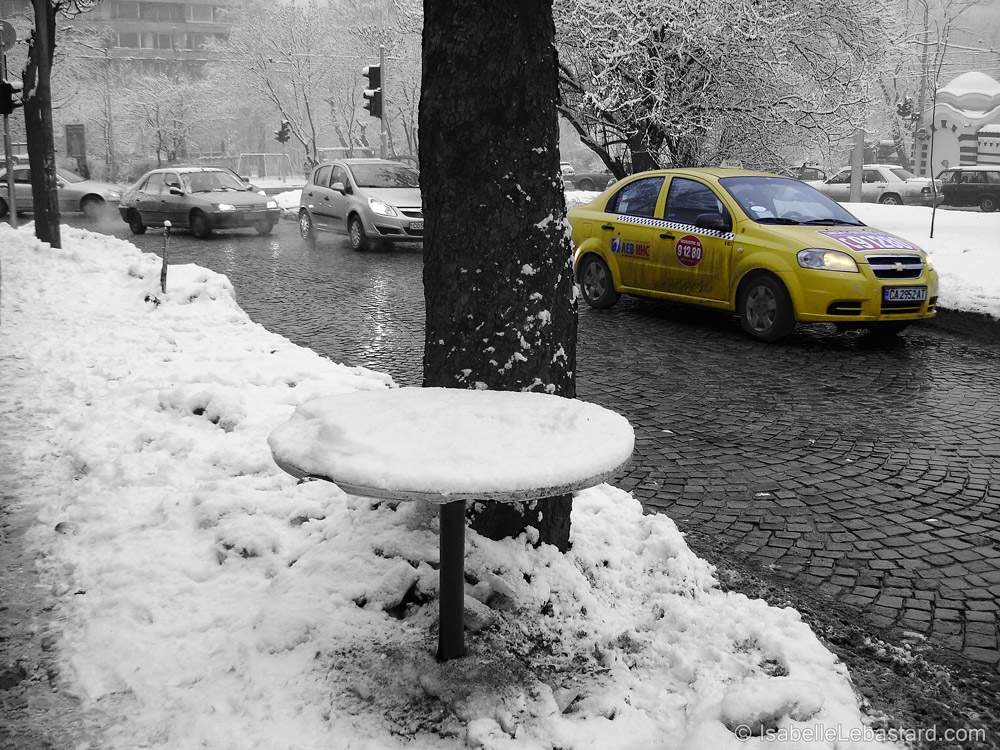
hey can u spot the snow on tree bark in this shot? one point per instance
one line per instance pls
(498, 283)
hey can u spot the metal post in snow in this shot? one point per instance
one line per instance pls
(451, 573)
(163, 268)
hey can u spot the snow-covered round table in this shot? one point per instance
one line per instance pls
(446, 446)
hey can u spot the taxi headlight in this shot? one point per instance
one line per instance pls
(226, 207)
(381, 208)
(272, 204)
(827, 260)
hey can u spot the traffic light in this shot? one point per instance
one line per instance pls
(905, 108)
(282, 136)
(373, 92)
(7, 101)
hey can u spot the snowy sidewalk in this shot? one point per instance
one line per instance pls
(206, 599)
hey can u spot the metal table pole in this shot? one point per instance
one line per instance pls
(451, 616)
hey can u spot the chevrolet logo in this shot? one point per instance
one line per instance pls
(898, 267)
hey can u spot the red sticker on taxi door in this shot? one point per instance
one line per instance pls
(689, 250)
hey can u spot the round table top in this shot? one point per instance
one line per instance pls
(447, 444)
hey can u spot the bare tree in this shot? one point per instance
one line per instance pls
(498, 282)
(168, 111)
(37, 97)
(288, 55)
(685, 82)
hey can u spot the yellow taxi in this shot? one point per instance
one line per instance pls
(773, 249)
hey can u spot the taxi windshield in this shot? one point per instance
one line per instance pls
(783, 200)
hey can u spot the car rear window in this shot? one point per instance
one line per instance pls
(637, 198)
(688, 199)
(321, 176)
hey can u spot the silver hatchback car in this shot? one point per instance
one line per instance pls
(369, 200)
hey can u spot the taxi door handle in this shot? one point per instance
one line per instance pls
(666, 237)
(607, 226)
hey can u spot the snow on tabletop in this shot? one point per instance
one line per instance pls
(448, 441)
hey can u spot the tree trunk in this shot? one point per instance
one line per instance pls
(498, 280)
(38, 124)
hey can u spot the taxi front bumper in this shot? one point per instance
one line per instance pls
(823, 296)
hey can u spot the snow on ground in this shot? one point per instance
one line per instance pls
(207, 599)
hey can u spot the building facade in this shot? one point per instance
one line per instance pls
(962, 125)
(153, 34)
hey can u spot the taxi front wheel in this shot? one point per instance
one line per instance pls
(765, 309)
(596, 283)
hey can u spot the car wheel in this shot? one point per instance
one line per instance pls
(263, 228)
(306, 229)
(356, 233)
(585, 185)
(4, 208)
(135, 222)
(988, 203)
(92, 207)
(890, 199)
(199, 225)
(886, 330)
(597, 284)
(765, 309)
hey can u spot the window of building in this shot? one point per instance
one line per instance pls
(202, 13)
(128, 39)
(124, 9)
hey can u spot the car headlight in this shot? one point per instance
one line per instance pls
(272, 204)
(381, 208)
(226, 207)
(827, 260)
(927, 260)
(115, 196)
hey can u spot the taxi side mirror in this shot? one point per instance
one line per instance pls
(714, 221)
(339, 187)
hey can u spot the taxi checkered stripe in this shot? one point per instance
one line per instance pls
(677, 226)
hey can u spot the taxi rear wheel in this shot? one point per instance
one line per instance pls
(891, 199)
(596, 282)
(765, 309)
(988, 204)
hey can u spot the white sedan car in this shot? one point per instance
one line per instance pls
(880, 183)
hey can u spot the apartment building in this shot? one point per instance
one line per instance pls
(153, 34)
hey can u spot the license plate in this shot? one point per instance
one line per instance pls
(904, 293)
(417, 225)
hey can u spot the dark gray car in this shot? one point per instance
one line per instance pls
(369, 200)
(201, 199)
(971, 186)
